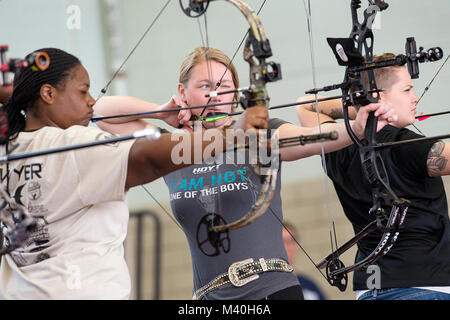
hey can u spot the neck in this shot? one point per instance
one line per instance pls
(34, 123)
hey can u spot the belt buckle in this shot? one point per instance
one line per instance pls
(234, 276)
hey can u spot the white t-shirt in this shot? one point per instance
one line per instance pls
(78, 198)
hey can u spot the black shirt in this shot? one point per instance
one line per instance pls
(421, 255)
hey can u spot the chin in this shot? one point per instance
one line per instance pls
(84, 123)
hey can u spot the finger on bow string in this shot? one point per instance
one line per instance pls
(176, 118)
(253, 118)
(384, 111)
(184, 116)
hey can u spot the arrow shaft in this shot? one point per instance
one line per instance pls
(425, 116)
(151, 133)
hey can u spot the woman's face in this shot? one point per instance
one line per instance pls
(402, 98)
(73, 102)
(203, 79)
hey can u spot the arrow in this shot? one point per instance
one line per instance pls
(149, 133)
(426, 116)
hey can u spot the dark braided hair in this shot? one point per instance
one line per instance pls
(27, 85)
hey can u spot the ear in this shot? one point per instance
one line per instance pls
(48, 93)
(382, 96)
(182, 92)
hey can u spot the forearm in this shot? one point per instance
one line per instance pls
(117, 105)
(344, 139)
(151, 160)
(299, 152)
(328, 111)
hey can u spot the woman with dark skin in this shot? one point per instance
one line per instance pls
(77, 197)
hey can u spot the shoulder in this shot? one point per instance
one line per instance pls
(410, 158)
(390, 133)
(75, 135)
(71, 133)
(275, 123)
(80, 134)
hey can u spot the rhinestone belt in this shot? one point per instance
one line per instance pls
(243, 272)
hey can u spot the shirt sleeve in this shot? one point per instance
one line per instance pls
(412, 158)
(102, 170)
(275, 123)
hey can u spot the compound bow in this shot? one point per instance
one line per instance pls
(356, 54)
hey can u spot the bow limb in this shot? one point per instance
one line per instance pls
(257, 49)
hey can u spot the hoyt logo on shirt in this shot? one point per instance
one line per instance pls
(206, 169)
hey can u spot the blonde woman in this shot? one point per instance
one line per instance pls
(223, 191)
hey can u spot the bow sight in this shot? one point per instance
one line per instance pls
(347, 55)
(37, 61)
(413, 57)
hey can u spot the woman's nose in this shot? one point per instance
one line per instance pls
(91, 101)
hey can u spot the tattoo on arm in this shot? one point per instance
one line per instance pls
(311, 107)
(436, 163)
(337, 113)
